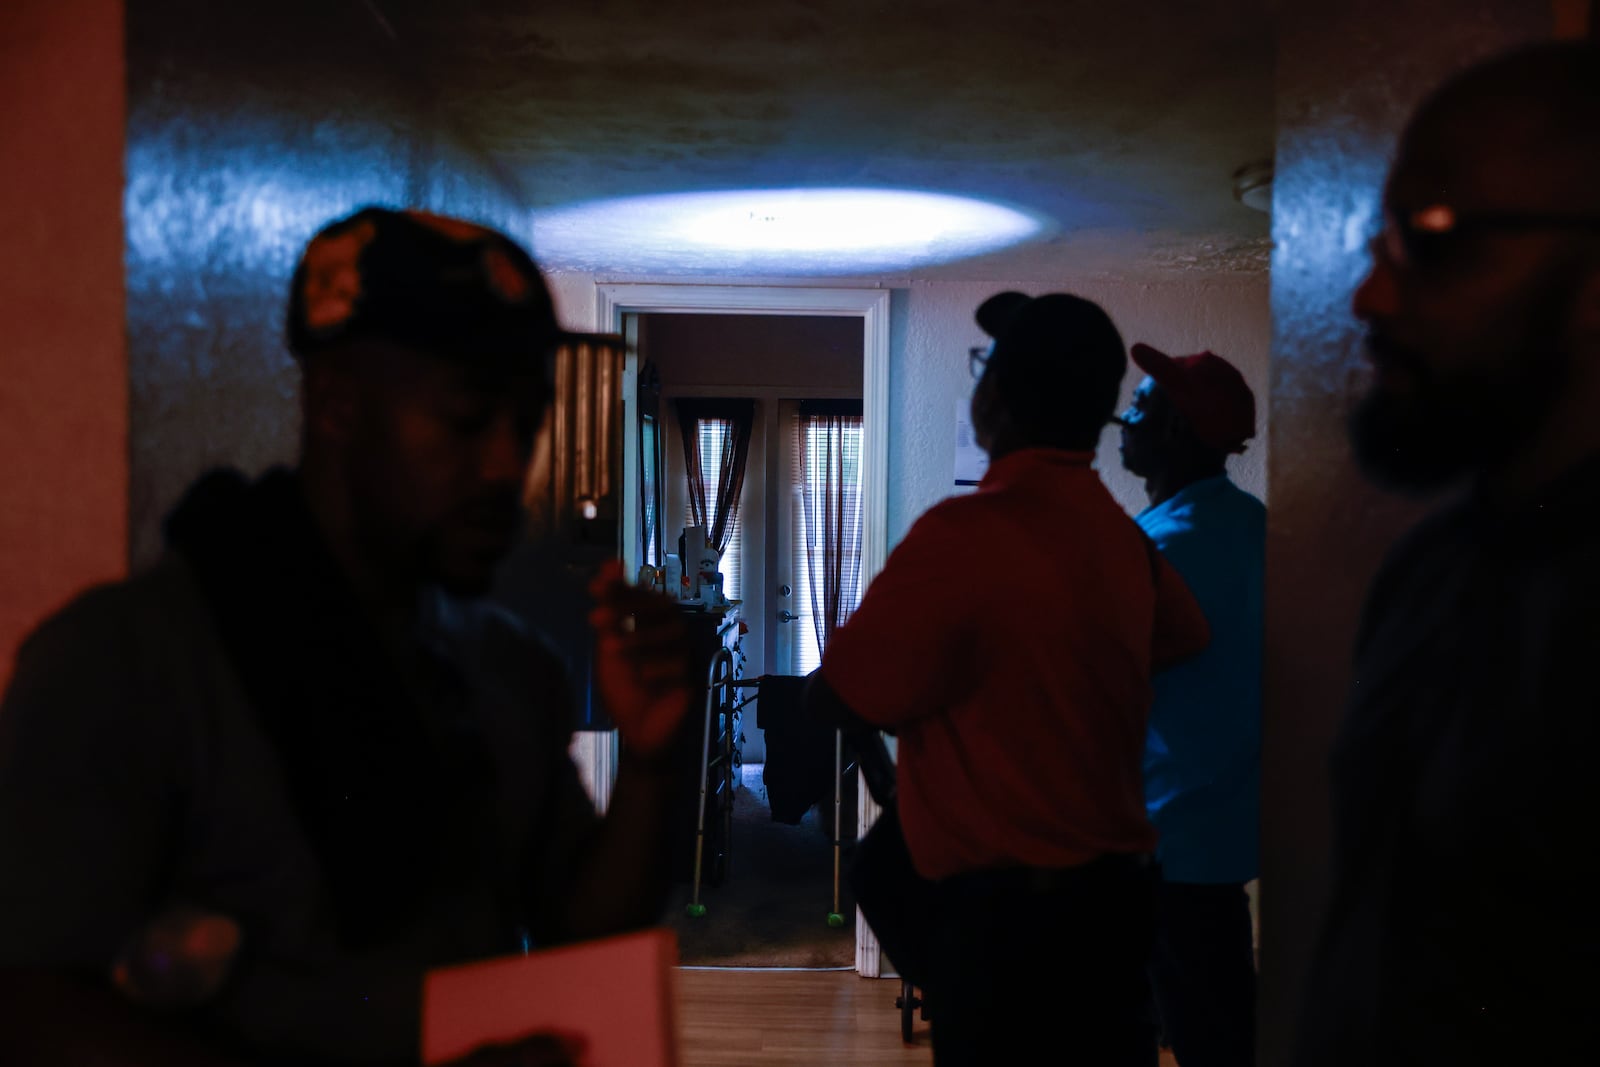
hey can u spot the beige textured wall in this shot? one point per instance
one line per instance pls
(932, 328)
(63, 393)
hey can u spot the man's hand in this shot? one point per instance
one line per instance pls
(641, 661)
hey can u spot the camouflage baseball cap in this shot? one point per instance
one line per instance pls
(444, 286)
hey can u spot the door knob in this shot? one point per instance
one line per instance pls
(787, 616)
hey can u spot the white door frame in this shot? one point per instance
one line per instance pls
(871, 306)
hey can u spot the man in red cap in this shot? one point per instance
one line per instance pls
(1202, 758)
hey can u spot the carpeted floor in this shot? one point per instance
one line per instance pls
(772, 909)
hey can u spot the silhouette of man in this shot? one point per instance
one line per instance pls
(303, 745)
(1202, 761)
(1461, 926)
(1020, 693)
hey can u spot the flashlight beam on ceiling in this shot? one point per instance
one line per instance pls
(790, 230)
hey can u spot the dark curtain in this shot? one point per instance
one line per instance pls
(733, 419)
(830, 464)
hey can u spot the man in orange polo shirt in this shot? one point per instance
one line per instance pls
(1020, 695)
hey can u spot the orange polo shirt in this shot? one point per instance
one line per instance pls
(1009, 643)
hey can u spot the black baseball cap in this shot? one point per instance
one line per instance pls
(1055, 358)
(445, 286)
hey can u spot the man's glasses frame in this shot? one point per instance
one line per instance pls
(978, 359)
(1418, 238)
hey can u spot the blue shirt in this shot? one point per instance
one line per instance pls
(1202, 763)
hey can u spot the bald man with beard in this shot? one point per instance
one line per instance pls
(1462, 927)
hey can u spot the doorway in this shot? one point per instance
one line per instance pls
(725, 386)
(784, 368)
(625, 308)
(870, 307)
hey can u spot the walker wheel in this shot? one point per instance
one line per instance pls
(835, 920)
(908, 1004)
(695, 911)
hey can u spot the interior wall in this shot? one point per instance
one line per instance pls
(63, 396)
(932, 328)
(250, 124)
(765, 351)
(1348, 75)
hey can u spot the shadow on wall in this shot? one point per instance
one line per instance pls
(250, 124)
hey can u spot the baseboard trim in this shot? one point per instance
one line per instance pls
(868, 956)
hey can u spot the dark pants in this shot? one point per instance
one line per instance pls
(1007, 959)
(1026, 959)
(1203, 974)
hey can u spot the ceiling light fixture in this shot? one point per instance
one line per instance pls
(1252, 185)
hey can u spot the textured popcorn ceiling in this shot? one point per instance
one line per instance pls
(1119, 123)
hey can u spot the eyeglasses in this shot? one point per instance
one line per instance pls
(978, 359)
(1131, 417)
(1423, 238)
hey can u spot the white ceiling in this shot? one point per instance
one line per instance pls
(1117, 123)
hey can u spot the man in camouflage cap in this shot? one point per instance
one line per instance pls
(276, 777)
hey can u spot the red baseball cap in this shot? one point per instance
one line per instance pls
(1208, 391)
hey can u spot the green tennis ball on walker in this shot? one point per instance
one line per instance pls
(835, 920)
(695, 910)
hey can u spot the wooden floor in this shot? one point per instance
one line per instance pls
(746, 1018)
(756, 1018)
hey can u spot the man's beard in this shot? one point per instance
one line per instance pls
(464, 560)
(1439, 430)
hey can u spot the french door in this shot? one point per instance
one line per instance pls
(817, 464)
